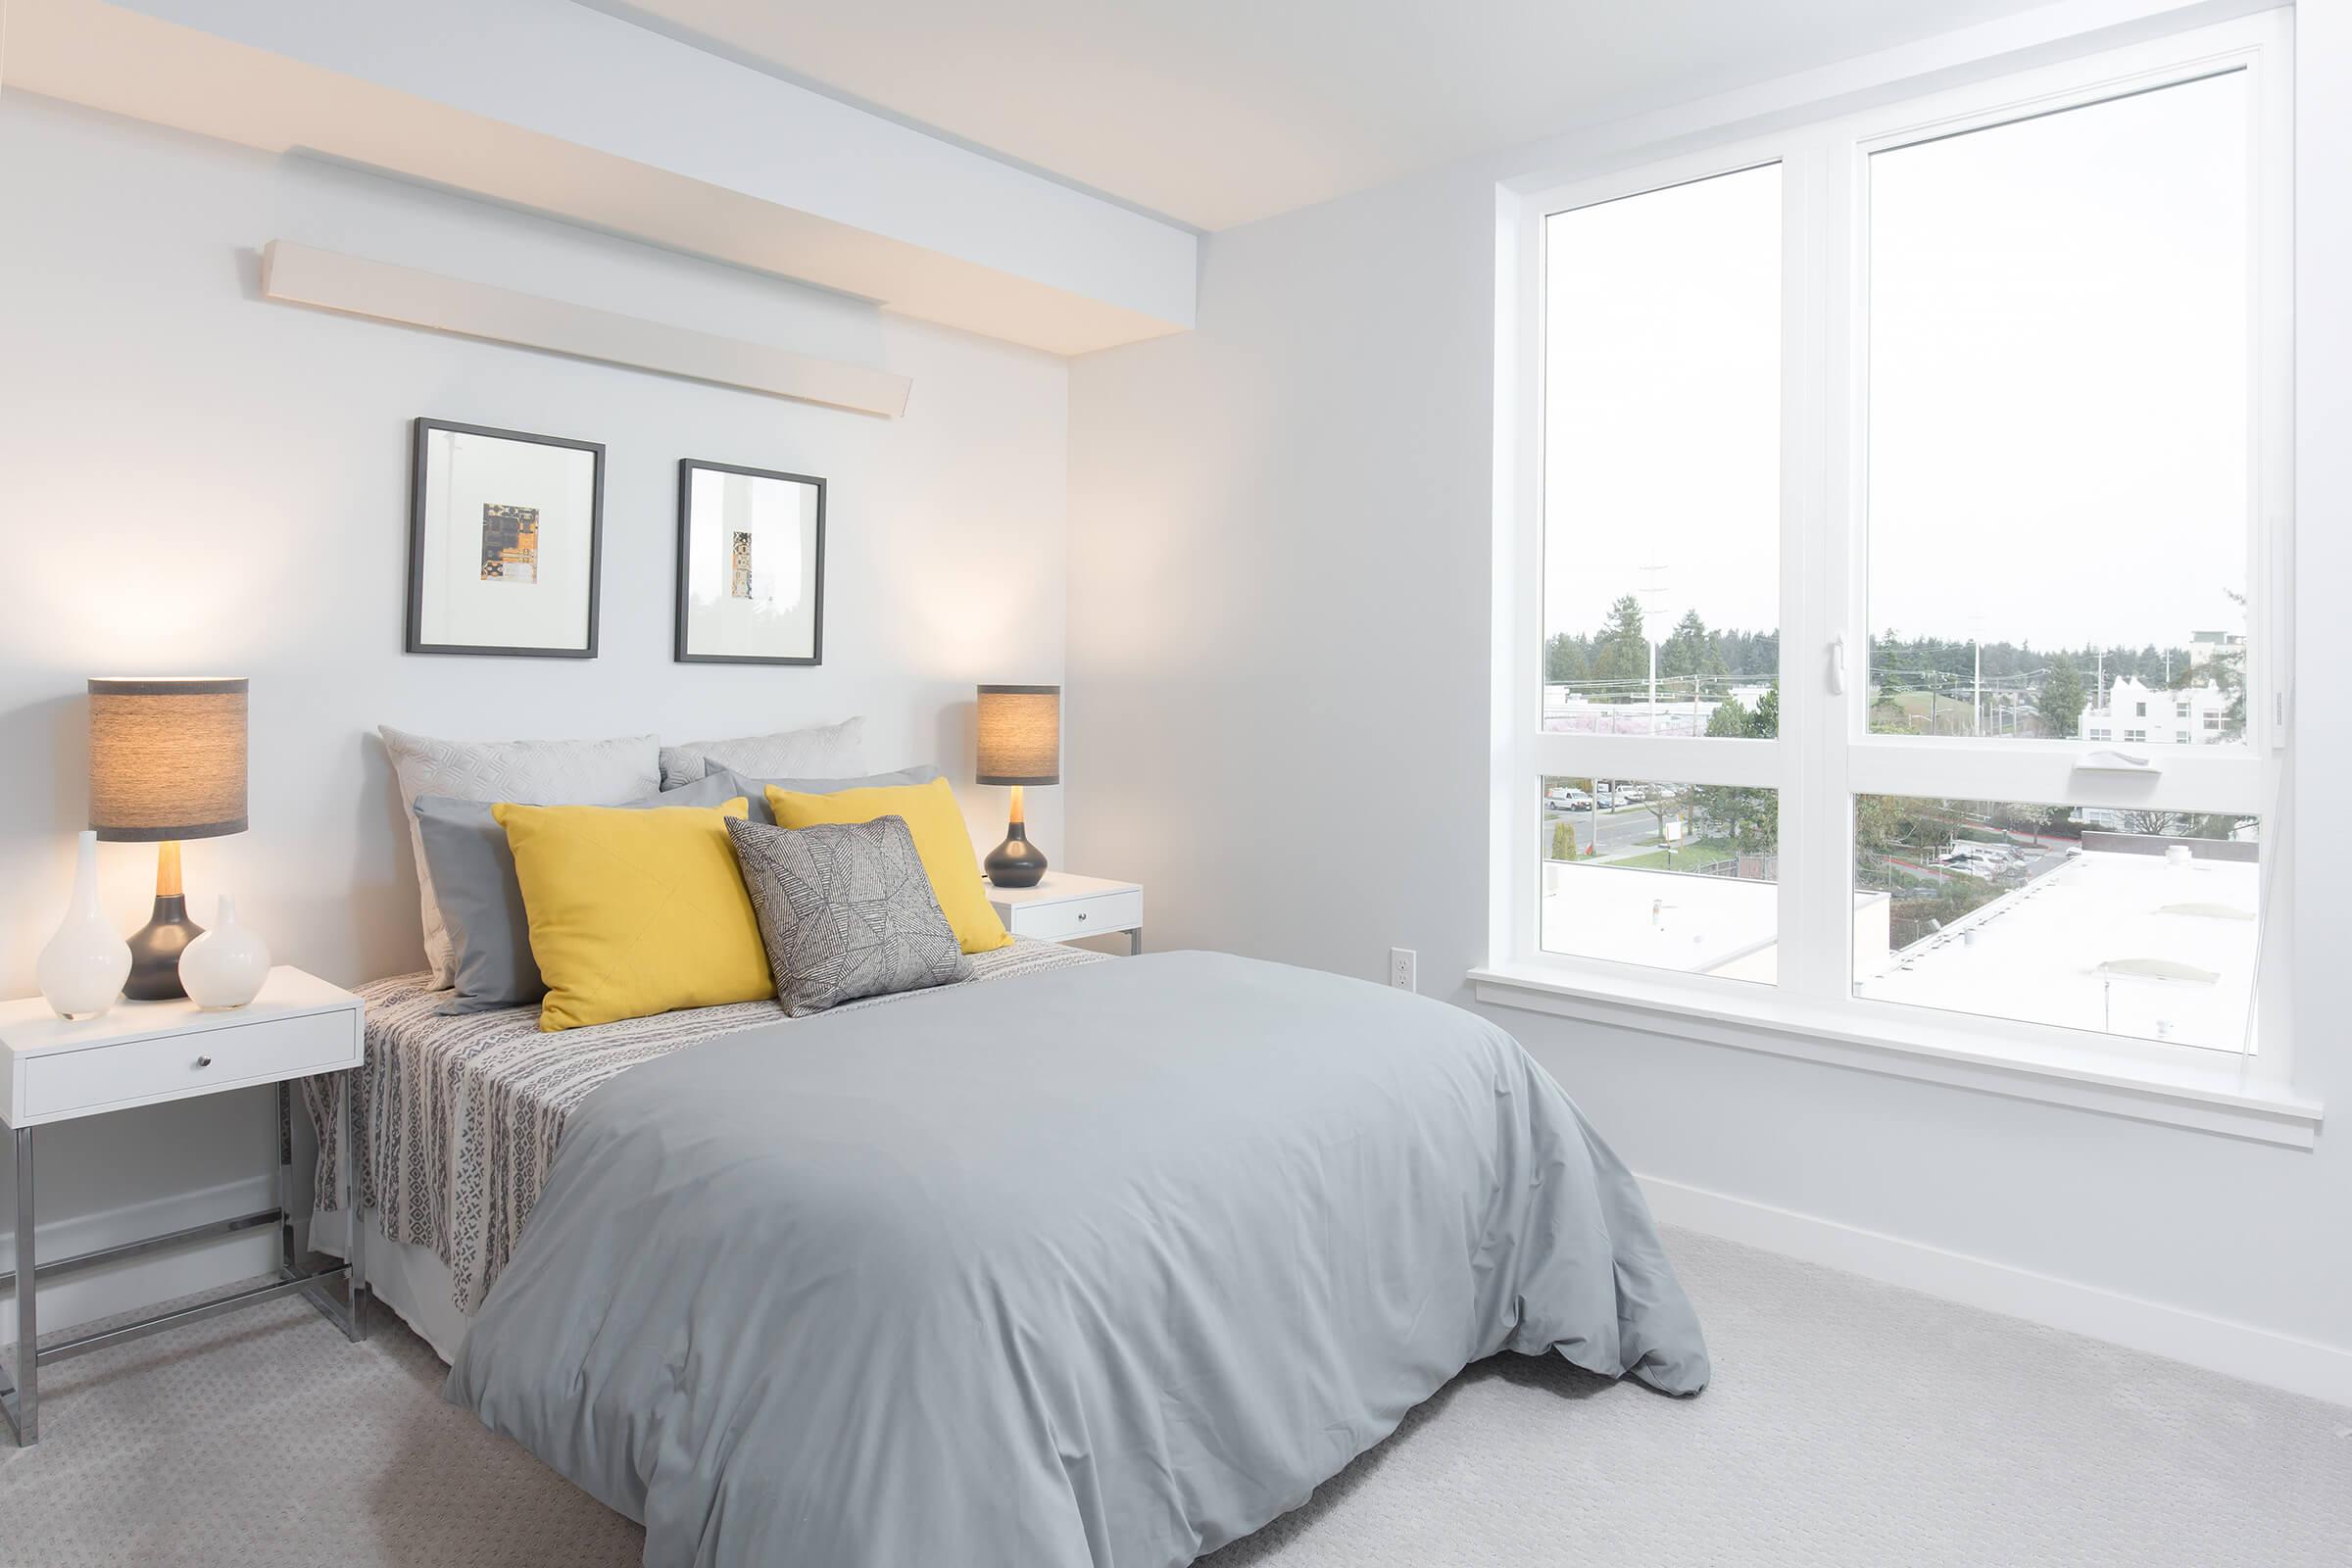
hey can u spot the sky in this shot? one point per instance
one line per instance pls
(2057, 411)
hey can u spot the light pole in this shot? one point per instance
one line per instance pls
(1653, 685)
(1977, 642)
(1653, 614)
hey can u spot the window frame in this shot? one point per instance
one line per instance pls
(1825, 755)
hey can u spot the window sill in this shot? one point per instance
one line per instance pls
(2213, 1099)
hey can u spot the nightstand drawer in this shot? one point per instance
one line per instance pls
(192, 1062)
(1077, 918)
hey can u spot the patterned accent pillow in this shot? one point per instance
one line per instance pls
(846, 911)
(603, 773)
(826, 751)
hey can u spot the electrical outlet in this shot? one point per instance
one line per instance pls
(1402, 965)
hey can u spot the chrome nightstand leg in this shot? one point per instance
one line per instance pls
(286, 1258)
(23, 1406)
(301, 1272)
(1135, 941)
(354, 1283)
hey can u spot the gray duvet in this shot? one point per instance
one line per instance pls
(1108, 1266)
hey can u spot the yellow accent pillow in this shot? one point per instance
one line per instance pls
(635, 911)
(940, 838)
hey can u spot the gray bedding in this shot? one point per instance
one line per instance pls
(1109, 1265)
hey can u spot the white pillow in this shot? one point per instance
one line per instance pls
(530, 773)
(829, 751)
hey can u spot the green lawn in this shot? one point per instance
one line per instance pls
(1698, 852)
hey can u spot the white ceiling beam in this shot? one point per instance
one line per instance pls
(553, 107)
(407, 296)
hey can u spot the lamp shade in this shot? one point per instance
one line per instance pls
(166, 757)
(1020, 735)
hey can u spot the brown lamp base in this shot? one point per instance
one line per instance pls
(1017, 863)
(156, 946)
(155, 949)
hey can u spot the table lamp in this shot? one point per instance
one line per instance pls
(167, 763)
(1020, 744)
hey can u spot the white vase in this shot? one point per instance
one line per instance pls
(225, 966)
(82, 968)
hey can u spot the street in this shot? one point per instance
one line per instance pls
(1622, 831)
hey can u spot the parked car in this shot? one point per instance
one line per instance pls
(1982, 860)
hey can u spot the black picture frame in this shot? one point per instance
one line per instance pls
(680, 653)
(419, 456)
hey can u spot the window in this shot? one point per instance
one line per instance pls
(1660, 573)
(2056, 314)
(1872, 476)
(1669, 876)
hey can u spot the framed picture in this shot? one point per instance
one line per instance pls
(751, 566)
(506, 536)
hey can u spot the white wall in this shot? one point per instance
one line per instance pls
(193, 480)
(1278, 721)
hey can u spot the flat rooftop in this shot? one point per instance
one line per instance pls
(2128, 944)
(1716, 925)
(2125, 944)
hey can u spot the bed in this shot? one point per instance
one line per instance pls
(1110, 1262)
(462, 1118)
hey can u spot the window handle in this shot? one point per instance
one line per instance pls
(1837, 665)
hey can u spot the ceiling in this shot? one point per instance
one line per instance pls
(1217, 112)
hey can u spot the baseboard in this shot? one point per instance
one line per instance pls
(81, 1297)
(2240, 1350)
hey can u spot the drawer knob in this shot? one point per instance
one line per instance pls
(204, 1062)
(1081, 916)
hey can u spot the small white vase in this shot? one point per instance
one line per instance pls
(225, 966)
(82, 968)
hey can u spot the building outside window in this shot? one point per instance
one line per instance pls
(2214, 712)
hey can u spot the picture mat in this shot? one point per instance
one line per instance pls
(464, 473)
(778, 620)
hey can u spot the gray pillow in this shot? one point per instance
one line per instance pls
(846, 911)
(826, 751)
(816, 786)
(481, 901)
(539, 772)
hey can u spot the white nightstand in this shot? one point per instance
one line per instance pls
(144, 1053)
(1063, 906)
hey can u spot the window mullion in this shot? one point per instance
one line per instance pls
(1813, 923)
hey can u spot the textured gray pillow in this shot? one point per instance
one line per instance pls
(481, 901)
(846, 911)
(826, 751)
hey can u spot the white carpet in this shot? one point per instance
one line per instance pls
(1849, 1423)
